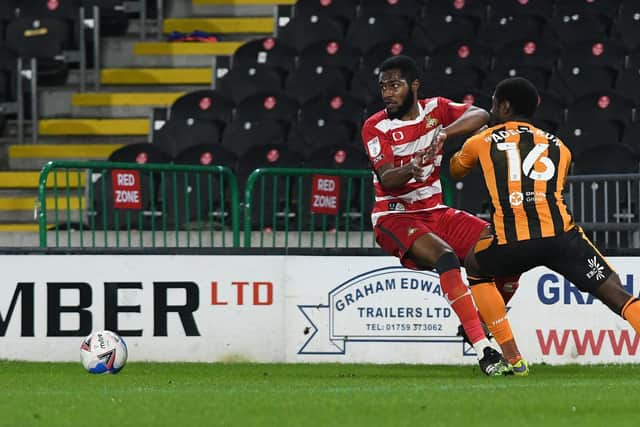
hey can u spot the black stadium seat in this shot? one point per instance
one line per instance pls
(606, 158)
(312, 80)
(140, 153)
(334, 53)
(269, 51)
(582, 134)
(459, 55)
(573, 81)
(408, 9)
(367, 31)
(305, 31)
(501, 29)
(476, 9)
(435, 30)
(306, 137)
(541, 9)
(341, 11)
(240, 136)
(240, 83)
(528, 52)
(177, 135)
(375, 55)
(626, 28)
(203, 104)
(334, 107)
(268, 106)
(602, 105)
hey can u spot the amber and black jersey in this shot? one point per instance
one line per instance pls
(525, 169)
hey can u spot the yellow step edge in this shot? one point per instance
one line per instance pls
(242, 2)
(185, 48)
(29, 203)
(154, 76)
(130, 99)
(62, 151)
(94, 127)
(26, 227)
(254, 25)
(31, 179)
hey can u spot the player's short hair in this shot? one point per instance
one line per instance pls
(521, 93)
(407, 66)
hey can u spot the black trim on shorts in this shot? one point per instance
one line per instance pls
(393, 237)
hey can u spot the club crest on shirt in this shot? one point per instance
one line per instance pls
(373, 145)
(430, 122)
(396, 206)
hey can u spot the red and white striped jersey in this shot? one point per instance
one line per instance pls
(395, 141)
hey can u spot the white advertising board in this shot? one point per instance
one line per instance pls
(286, 309)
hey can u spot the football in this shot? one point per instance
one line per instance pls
(103, 352)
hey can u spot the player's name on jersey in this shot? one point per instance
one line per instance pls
(501, 135)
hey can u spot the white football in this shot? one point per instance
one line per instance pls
(103, 352)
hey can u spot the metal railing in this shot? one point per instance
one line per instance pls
(607, 207)
(132, 205)
(280, 212)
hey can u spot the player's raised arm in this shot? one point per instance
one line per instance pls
(472, 119)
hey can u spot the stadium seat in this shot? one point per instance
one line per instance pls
(606, 158)
(114, 21)
(537, 75)
(597, 53)
(459, 55)
(626, 28)
(241, 83)
(473, 97)
(602, 105)
(140, 153)
(631, 137)
(241, 136)
(573, 81)
(364, 85)
(607, 8)
(272, 208)
(203, 104)
(571, 26)
(65, 11)
(7, 13)
(304, 31)
(335, 107)
(43, 39)
(262, 106)
(407, 9)
(434, 31)
(529, 52)
(343, 11)
(269, 51)
(306, 137)
(501, 29)
(582, 134)
(476, 9)
(311, 80)
(450, 81)
(628, 81)
(202, 197)
(542, 9)
(550, 112)
(177, 135)
(367, 31)
(381, 51)
(333, 53)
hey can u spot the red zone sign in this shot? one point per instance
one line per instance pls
(126, 189)
(324, 194)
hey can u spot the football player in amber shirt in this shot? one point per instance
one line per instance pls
(525, 169)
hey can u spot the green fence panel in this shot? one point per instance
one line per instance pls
(279, 210)
(167, 205)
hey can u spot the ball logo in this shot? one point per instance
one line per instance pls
(325, 3)
(52, 4)
(270, 102)
(464, 51)
(273, 155)
(458, 4)
(603, 102)
(268, 43)
(205, 103)
(529, 48)
(396, 48)
(397, 135)
(332, 48)
(340, 156)
(469, 99)
(142, 158)
(336, 102)
(597, 49)
(206, 158)
(515, 198)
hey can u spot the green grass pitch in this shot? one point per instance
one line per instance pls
(242, 394)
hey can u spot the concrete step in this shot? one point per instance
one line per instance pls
(157, 76)
(114, 127)
(130, 52)
(226, 25)
(35, 156)
(124, 99)
(15, 183)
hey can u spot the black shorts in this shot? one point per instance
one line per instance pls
(570, 254)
